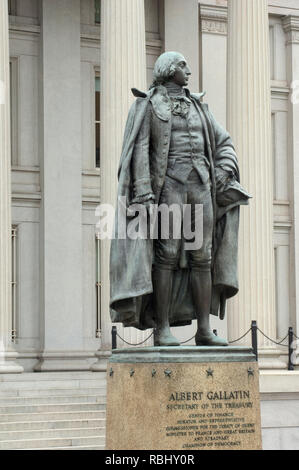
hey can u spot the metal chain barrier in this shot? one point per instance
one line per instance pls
(142, 342)
(272, 340)
(230, 342)
(241, 337)
(184, 342)
(283, 339)
(132, 344)
(253, 329)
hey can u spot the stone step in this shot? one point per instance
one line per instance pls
(100, 447)
(51, 408)
(49, 433)
(53, 384)
(47, 425)
(16, 401)
(51, 416)
(12, 393)
(52, 443)
(55, 410)
(46, 376)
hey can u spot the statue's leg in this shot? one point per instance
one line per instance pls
(167, 252)
(162, 286)
(201, 293)
(201, 285)
(200, 263)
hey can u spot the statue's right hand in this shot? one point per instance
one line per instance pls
(149, 206)
(146, 200)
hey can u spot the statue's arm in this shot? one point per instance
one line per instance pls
(228, 188)
(140, 167)
(225, 157)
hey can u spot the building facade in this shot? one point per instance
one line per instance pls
(67, 67)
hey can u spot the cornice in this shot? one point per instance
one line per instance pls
(213, 19)
(24, 32)
(281, 92)
(290, 25)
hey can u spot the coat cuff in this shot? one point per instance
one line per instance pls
(142, 186)
(143, 199)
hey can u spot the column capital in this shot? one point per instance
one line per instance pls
(290, 25)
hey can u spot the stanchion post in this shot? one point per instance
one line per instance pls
(254, 338)
(114, 337)
(291, 349)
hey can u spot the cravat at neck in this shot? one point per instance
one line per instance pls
(174, 90)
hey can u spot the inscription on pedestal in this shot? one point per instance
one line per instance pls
(211, 420)
(184, 406)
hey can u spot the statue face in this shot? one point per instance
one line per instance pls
(182, 74)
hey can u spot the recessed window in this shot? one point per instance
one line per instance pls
(97, 6)
(12, 7)
(97, 120)
(13, 83)
(14, 234)
(98, 287)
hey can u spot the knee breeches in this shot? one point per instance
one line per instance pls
(168, 250)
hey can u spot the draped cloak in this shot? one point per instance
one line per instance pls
(131, 261)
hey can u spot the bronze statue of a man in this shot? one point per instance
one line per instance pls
(174, 152)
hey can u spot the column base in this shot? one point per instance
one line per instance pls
(63, 361)
(295, 358)
(270, 359)
(101, 364)
(8, 364)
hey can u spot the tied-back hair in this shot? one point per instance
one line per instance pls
(165, 68)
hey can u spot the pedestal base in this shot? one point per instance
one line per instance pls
(190, 398)
(63, 361)
(102, 359)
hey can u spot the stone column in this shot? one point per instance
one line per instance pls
(291, 28)
(249, 122)
(6, 352)
(62, 334)
(123, 66)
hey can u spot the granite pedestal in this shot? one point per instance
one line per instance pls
(189, 398)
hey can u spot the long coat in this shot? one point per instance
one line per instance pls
(131, 261)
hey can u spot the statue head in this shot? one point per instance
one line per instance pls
(171, 67)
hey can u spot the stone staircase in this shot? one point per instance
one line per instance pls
(53, 410)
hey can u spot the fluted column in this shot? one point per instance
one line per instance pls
(123, 66)
(291, 29)
(249, 122)
(6, 352)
